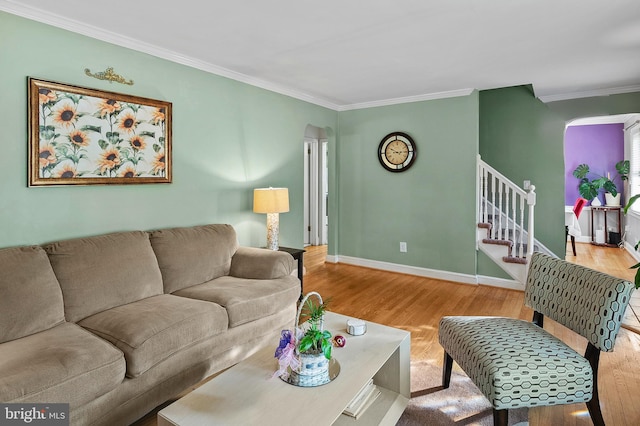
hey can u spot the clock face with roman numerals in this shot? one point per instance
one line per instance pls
(397, 152)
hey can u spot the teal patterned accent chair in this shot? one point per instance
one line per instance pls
(516, 363)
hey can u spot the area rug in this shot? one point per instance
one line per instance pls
(461, 404)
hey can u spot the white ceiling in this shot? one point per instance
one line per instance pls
(347, 54)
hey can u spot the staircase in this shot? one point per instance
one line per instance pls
(505, 217)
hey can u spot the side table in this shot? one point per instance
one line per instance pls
(298, 255)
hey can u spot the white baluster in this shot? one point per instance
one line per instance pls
(500, 227)
(506, 209)
(520, 245)
(485, 195)
(514, 213)
(531, 200)
(493, 202)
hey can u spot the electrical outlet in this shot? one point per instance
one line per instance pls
(403, 247)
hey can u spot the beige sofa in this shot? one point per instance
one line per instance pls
(117, 324)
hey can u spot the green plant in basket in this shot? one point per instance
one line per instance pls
(306, 348)
(315, 339)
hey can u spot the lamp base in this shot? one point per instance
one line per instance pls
(273, 229)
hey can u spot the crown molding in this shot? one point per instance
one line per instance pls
(408, 99)
(65, 23)
(589, 93)
(160, 52)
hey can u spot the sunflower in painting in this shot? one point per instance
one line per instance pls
(157, 116)
(67, 171)
(128, 122)
(108, 107)
(78, 138)
(128, 172)
(46, 96)
(138, 143)
(158, 163)
(65, 115)
(47, 156)
(109, 160)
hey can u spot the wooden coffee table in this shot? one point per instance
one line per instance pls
(246, 394)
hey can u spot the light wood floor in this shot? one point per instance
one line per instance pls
(416, 304)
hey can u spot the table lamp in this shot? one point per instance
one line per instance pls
(271, 201)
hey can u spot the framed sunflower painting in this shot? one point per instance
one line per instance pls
(80, 136)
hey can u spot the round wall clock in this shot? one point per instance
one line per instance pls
(397, 152)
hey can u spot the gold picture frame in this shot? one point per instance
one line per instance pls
(82, 136)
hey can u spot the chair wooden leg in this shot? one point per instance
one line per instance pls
(573, 244)
(593, 355)
(447, 366)
(594, 410)
(500, 417)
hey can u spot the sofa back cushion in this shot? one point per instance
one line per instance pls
(30, 296)
(193, 255)
(105, 271)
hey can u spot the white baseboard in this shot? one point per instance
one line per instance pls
(500, 282)
(632, 251)
(426, 272)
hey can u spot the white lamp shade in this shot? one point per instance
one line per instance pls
(270, 200)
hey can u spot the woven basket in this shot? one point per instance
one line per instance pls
(314, 368)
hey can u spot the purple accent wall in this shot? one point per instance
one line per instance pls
(600, 146)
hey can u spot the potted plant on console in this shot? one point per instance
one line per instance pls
(590, 188)
(304, 354)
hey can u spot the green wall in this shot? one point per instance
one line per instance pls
(431, 205)
(597, 106)
(522, 138)
(228, 138)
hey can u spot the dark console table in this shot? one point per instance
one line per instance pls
(605, 210)
(298, 255)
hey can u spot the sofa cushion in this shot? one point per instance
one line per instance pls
(150, 330)
(193, 255)
(62, 364)
(30, 296)
(101, 272)
(246, 299)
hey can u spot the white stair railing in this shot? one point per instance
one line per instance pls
(509, 208)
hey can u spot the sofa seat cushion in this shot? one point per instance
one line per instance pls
(63, 364)
(150, 330)
(247, 300)
(193, 255)
(30, 296)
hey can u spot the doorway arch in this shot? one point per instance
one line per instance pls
(608, 134)
(316, 186)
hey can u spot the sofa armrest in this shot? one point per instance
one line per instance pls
(258, 263)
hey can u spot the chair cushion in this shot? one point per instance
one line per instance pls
(98, 273)
(515, 363)
(246, 299)
(193, 255)
(62, 364)
(151, 330)
(31, 299)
